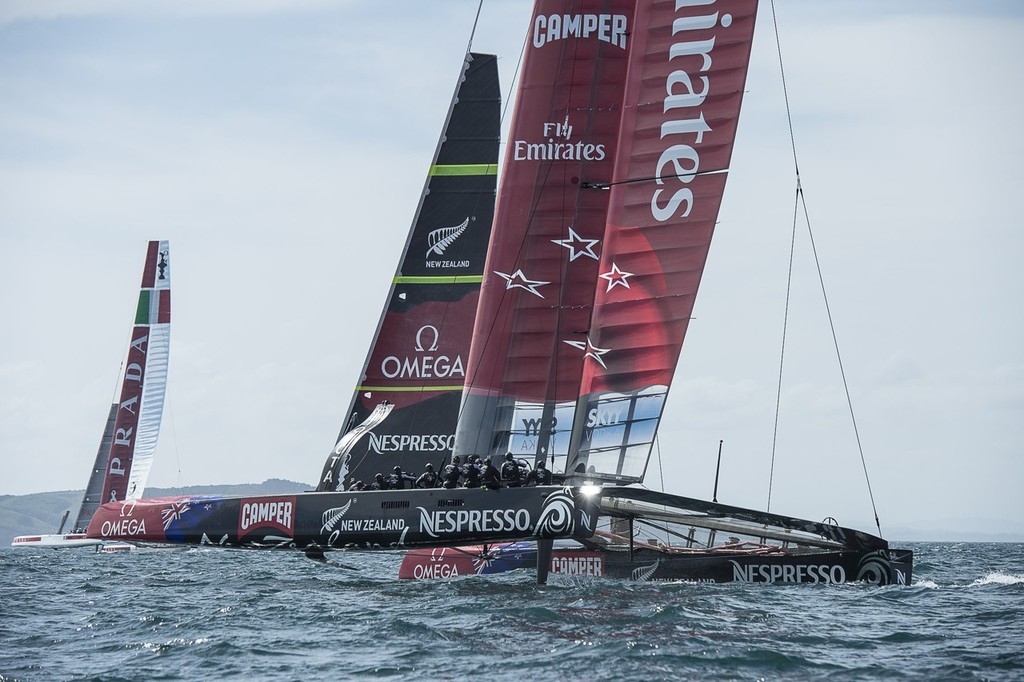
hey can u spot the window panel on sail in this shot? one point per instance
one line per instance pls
(528, 428)
(650, 402)
(634, 461)
(617, 435)
(629, 462)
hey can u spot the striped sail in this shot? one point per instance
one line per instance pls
(129, 439)
(418, 355)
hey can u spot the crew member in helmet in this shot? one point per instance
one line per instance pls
(539, 476)
(379, 483)
(471, 472)
(398, 478)
(429, 478)
(452, 473)
(490, 477)
(510, 472)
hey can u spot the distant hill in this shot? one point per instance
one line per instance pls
(41, 512)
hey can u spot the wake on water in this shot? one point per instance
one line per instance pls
(243, 614)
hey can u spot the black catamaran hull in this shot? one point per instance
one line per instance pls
(352, 520)
(771, 548)
(878, 567)
(647, 535)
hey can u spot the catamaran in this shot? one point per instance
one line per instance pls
(126, 450)
(614, 171)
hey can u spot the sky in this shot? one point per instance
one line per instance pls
(281, 147)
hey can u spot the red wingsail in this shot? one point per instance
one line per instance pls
(526, 359)
(614, 173)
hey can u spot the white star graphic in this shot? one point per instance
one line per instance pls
(616, 276)
(573, 244)
(590, 350)
(517, 280)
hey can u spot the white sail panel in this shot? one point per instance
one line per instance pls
(152, 408)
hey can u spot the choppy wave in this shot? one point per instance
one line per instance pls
(999, 579)
(223, 614)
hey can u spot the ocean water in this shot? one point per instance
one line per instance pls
(209, 614)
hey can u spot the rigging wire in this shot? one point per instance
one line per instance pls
(177, 450)
(782, 354)
(661, 471)
(469, 46)
(801, 203)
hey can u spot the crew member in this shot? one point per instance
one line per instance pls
(490, 477)
(452, 473)
(539, 476)
(379, 483)
(471, 472)
(398, 478)
(428, 479)
(510, 472)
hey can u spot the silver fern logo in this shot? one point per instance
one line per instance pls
(331, 517)
(440, 239)
(645, 572)
(557, 515)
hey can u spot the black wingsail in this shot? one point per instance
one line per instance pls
(417, 359)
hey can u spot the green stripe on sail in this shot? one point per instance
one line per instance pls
(142, 312)
(451, 279)
(464, 169)
(407, 389)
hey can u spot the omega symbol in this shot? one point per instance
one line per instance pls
(419, 338)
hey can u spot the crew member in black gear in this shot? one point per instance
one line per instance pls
(379, 483)
(358, 485)
(429, 478)
(398, 478)
(539, 476)
(490, 477)
(471, 472)
(452, 473)
(510, 472)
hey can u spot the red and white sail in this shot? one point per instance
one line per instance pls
(132, 427)
(129, 441)
(613, 177)
(522, 379)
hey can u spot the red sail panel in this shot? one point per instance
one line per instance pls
(684, 101)
(682, 105)
(543, 257)
(149, 272)
(164, 307)
(126, 424)
(530, 338)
